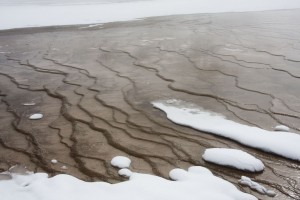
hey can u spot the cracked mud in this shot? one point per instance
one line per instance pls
(94, 87)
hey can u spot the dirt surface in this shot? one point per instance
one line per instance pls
(94, 87)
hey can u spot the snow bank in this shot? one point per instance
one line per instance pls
(233, 158)
(36, 116)
(285, 144)
(193, 185)
(256, 186)
(120, 162)
(16, 15)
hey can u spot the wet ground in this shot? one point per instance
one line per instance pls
(94, 86)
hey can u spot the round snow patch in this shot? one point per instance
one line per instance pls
(125, 172)
(64, 167)
(282, 128)
(36, 116)
(54, 161)
(233, 158)
(120, 162)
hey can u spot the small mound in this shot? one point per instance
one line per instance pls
(125, 172)
(36, 116)
(120, 162)
(233, 158)
(282, 128)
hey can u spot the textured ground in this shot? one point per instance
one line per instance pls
(94, 86)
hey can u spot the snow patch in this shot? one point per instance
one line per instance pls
(36, 116)
(54, 161)
(64, 167)
(282, 128)
(233, 158)
(125, 172)
(28, 104)
(256, 186)
(193, 185)
(120, 162)
(285, 144)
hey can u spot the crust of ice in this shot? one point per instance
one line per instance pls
(285, 144)
(120, 162)
(192, 185)
(233, 158)
(36, 116)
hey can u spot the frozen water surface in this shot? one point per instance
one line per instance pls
(35, 13)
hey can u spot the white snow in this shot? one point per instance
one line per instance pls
(233, 158)
(285, 144)
(256, 186)
(36, 116)
(50, 13)
(282, 128)
(29, 104)
(64, 167)
(192, 185)
(120, 162)
(125, 172)
(54, 161)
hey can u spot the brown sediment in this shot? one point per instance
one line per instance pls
(94, 87)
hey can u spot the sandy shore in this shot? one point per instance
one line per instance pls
(94, 86)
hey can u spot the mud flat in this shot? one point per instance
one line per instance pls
(94, 86)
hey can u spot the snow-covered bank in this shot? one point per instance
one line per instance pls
(196, 183)
(233, 158)
(35, 15)
(285, 144)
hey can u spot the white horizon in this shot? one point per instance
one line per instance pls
(31, 15)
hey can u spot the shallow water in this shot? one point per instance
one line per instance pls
(94, 87)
